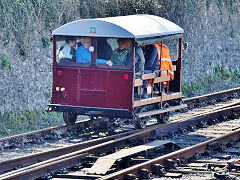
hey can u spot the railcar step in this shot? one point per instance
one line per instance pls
(103, 164)
(166, 97)
(154, 112)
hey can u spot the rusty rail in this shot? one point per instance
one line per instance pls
(42, 156)
(235, 92)
(20, 139)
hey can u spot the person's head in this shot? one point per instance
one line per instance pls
(121, 44)
(128, 43)
(145, 47)
(86, 42)
(124, 43)
(71, 41)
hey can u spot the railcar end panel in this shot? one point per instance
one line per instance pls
(93, 87)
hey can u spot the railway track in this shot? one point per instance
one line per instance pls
(192, 117)
(217, 157)
(76, 157)
(69, 131)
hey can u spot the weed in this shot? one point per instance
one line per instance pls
(31, 120)
(230, 5)
(224, 74)
(202, 86)
(46, 42)
(20, 18)
(5, 62)
(27, 121)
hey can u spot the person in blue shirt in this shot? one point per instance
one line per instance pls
(84, 52)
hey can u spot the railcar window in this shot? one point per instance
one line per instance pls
(65, 50)
(114, 53)
(108, 52)
(73, 51)
(173, 47)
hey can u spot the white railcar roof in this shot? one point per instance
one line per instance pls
(141, 26)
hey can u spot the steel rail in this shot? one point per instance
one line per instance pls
(196, 114)
(183, 153)
(45, 155)
(152, 132)
(213, 96)
(33, 170)
(35, 135)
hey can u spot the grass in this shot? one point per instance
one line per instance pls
(222, 79)
(32, 120)
(12, 124)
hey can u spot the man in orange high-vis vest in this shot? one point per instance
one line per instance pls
(166, 62)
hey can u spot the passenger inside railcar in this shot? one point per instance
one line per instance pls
(104, 49)
(151, 65)
(84, 52)
(165, 63)
(67, 53)
(123, 54)
(121, 57)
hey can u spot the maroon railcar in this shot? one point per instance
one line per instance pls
(92, 87)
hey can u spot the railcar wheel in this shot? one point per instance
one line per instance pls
(163, 118)
(140, 123)
(69, 118)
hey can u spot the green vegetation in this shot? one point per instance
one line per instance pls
(5, 62)
(227, 74)
(46, 42)
(20, 19)
(27, 121)
(215, 81)
(230, 5)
